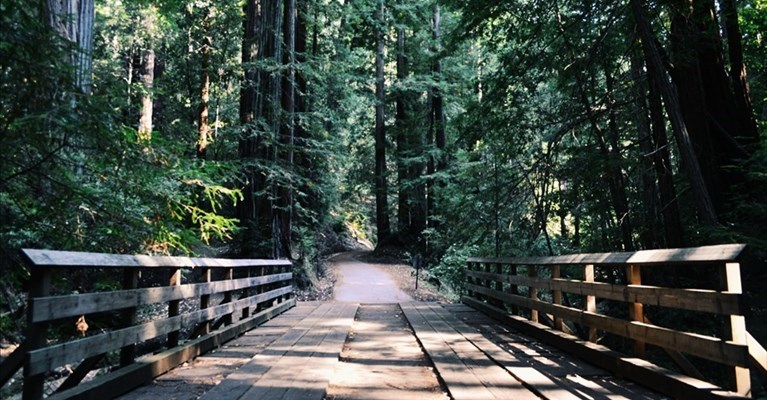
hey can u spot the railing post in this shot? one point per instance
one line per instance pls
(556, 296)
(228, 275)
(246, 294)
(498, 286)
(636, 310)
(128, 316)
(590, 302)
(513, 288)
(173, 307)
(205, 299)
(532, 272)
(40, 286)
(260, 288)
(735, 327)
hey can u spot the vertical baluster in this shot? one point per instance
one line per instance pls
(228, 276)
(590, 302)
(514, 288)
(469, 280)
(498, 283)
(173, 307)
(556, 296)
(205, 299)
(532, 272)
(636, 311)
(128, 315)
(735, 326)
(246, 293)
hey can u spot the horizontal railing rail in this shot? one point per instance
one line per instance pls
(578, 293)
(187, 306)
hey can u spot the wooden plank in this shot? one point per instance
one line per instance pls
(710, 301)
(57, 307)
(80, 372)
(735, 326)
(148, 368)
(79, 259)
(692, 255)
(46, 359)
(467, 372)
(240, 381)
(535, 380)
(305, 370)
(758, 356)
(36, 335)
(707, 347)
(589, 302)
(643, 372)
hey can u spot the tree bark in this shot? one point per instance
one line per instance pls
(381, 192)
(704, 205)
(73, 20)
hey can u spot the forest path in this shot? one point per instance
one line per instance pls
(361, 282)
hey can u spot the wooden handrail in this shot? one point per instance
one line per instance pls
(260, 285)
(500, 284)
(694, 255)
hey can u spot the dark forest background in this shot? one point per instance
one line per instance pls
(277, 128)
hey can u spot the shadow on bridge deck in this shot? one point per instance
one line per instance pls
(387, 351)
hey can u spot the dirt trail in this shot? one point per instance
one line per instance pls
(361, 282)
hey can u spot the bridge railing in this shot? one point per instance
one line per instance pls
(192, 306)
(578, 294)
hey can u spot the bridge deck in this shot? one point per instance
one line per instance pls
(345, 351)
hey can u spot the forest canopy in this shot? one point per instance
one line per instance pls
(261, 128)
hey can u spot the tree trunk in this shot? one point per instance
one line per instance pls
(648, 233)
(284, 212)
(246, 209)
(203, 127)
(147, 81)
(720, 125)
(745, 111)
(402, 138)
(703, 203)
(435, 139)
(73, 20)
(381, 193)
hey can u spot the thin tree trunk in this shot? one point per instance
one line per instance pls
(648, 232)
(381, 193)
(669, 204)
(703, 203)
(287, 130)
(435, 139)
(402, 138)
(147, 80)
(202, 118)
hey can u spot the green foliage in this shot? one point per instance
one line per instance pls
(451, 269)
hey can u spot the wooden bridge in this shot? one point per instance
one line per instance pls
(566, 327)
